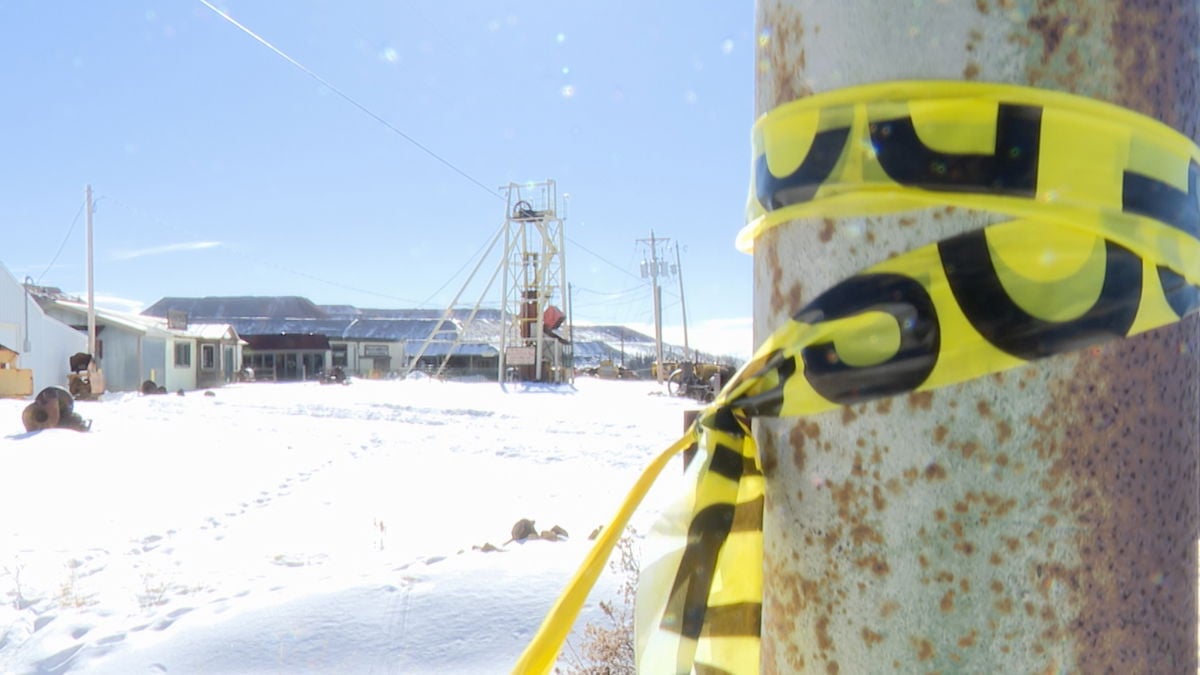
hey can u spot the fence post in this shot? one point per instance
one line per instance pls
(689, 419)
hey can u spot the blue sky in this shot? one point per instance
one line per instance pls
(221, 169)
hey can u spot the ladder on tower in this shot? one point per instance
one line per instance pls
(534, 272)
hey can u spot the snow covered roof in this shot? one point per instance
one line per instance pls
(396, 329)
(382, 330)
(130, 322)
(211, 331)
(225, 308)
(286, 315)
(151, 325)
(458, 314)
(238, 307)
(440, 349)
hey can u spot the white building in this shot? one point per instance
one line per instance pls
(132, 348)
(43, 344)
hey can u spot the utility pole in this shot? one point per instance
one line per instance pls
(91, 285)
(652, 269)
(27, 344)
(682, 304)
(1038, 520)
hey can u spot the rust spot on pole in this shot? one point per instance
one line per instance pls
(824, 642)
(775, 268)
(1051, 30)
(1154, 50)
(947, 602)
(793, 593)
(939, 433)
(1003, 433)
(876, 565)
(768, 455)
(797, 437)
(968, 640)
(827, 227)
(1132, 464)
(848, 415)
(924, 649)
(877, 498)
(781, 58)
(935, 471)
(920, 400)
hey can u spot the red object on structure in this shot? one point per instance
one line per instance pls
(553, 318)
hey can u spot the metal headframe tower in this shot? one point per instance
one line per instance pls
(532, 346)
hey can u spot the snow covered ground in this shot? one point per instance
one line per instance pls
(292, 528)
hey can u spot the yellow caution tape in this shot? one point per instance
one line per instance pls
(1104, 244)
(1028, 153)
(700, 598)
(539, 656)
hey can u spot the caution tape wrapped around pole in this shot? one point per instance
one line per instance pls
(1104, 243)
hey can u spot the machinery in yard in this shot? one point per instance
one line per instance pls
(700, 381)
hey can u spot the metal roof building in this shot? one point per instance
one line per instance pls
(368, 342)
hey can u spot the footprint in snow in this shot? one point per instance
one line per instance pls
(59, 662)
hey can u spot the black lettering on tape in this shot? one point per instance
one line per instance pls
(985, 303)
(1151, 197)
(801, 185)
(920, 338)
(1184, 298)
(1010, 170)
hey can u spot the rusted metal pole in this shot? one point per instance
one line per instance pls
(1039, 520)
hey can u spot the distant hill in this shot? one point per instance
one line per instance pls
(593, 343)
(625, 345)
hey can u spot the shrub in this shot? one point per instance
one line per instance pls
(607, 647)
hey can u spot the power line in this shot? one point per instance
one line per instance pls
(346, 97)
(457, 272)
(625, 291)
(367, 111)
(603, 259)
(63, 244)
